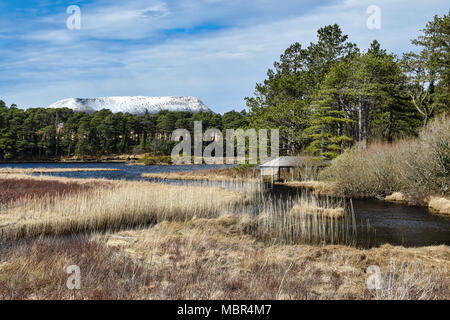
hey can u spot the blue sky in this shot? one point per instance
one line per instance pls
(215, 50)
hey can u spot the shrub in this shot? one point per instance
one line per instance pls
(418, 167)
(154, 160)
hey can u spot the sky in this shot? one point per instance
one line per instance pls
(216, 50)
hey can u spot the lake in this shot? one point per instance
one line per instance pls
(392, 223)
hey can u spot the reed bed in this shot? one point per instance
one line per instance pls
(207, 240)
(306, 219)
(319, 187)
(14, 190)
(8, 170)
(418, 168)
(121, 205)
(221, 174)
(214, 259)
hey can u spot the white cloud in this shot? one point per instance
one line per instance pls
(219, 67)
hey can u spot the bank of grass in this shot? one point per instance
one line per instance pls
(8, 170)
(418, 168)
(154, 160)
(61, 206)
(215, 259)
(319, 187)
(219, 174)
(15, 188)
(140, 240)
(119, 205)
(305, 219)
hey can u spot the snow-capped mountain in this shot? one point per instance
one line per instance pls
(134, 105)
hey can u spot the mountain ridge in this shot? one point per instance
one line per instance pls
(136, 105)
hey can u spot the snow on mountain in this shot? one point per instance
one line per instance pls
(134, 105)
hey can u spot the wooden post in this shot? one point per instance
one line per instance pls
(273, 173)
(292, 174)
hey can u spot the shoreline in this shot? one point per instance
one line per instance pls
(101, 223)
(9, 171)
(72, 161)
(437, 205)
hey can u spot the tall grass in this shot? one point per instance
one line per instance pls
(305, 219)
(125, 205)
(417, 167)
(14, 188)
(8, 170)
(219, 174)
(122, 205)
(407, 281)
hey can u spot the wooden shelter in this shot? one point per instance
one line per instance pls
(275, 166)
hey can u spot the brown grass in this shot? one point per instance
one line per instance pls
(439, 205)
(221, 174)
(418, 168)
(120, 205)
(194, 250)
(49, 170)
(15, 189)
(305, 220)
(215, 259)
(313, 209)
(396, 197)
(319, 187)
(37, 270)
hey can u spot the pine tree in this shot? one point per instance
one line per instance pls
(326, 129)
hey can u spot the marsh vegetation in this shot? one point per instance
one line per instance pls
(143, 240)
(418, 168)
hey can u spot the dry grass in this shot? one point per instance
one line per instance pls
(195, 251)
(14, 189)
(418, 168)
(305, 220)
(319, 187)
(120, 205)
(313, 209)
(221, 174)
(49, 170)
(215, 259)
(439, 205)
(37, 270)
(396, 197)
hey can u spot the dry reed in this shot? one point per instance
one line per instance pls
(418, 168)
(221, 174)
(8, 170)
(121, 205)
(305, 219)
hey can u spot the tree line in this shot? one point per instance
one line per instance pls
(329, 95)
(44, 133)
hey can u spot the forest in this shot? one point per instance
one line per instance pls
(323, 98)
(52, 134)
(330, 95)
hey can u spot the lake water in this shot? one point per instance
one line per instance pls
(126, 172)
(389, 222)
(393, 223)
